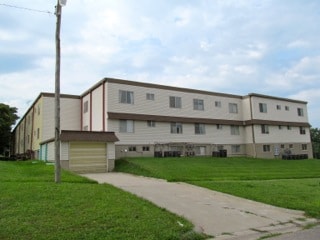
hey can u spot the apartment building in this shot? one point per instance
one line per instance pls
(150, 119)
(34, 134)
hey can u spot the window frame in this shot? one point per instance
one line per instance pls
(126, 97)
(199, 129)
(233, 108)
(235, 130)
(265, 129)
(86, 106)
(150, 96)
(128, 127)
(302, 130)
(263, 108)
(151, 123)
(198, 104)
(175, 102)
(176, 128)
(266, 148)
(300, 112)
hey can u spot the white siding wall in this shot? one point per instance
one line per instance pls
(97, 111)
(64, 148)
(51, 151)
(160, 106)
(283, 135)
(161, 133)
(111, 153)
(279, 115)
(86, 115)
(69, 116)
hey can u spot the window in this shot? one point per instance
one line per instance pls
(300, 112)
(38, 133)
(282, 146)
(233, 108)
(219, 126)
(263, 107)
(286, 108)
(304, 147)
(125, 97)
(145, 148)
(150, 96)
(199, 128)
(266, 148)
(198, 104)
(38, 109)
(302, 130)
(151, 123)
(175, 102)
(176, 128)
(85, 107)
(264, 129)
(278, 107)
(289, 127)
(132, 148)
(280, 127)
(235, 130)
(126, 126)
(235, 148)
(217, 104)
(290, 145)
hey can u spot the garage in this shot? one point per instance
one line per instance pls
(88, 157)
(88, 152)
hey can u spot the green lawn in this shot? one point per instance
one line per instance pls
(291, 184)
(32, 206)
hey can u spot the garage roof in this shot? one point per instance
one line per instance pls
(88, 136)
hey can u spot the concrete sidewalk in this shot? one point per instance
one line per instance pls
(216, 214)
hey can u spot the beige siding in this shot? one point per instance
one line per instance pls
(111, 154)
(279, 115)
(97, 111)
(69, 116)
(86, 115)
(162, 133)
(64, 148)
(160, 106)
(281, 135)
(87, 157)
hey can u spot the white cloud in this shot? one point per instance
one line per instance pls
(238, 47)
(298, 44)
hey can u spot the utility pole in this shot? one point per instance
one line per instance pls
(58, 13)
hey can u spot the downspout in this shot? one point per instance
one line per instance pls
(81, 114)
(32, 127)
(90, 111)
(252, 129)
(103, 106)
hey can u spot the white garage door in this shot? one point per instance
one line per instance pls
(87, 157)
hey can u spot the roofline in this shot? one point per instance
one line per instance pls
(180, 89)
(275, 98)
(157, 86)
(43, 94)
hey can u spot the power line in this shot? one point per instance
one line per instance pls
(24, 8)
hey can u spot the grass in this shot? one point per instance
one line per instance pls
(32, 206)
(293, 184)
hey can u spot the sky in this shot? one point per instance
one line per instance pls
(239, 47)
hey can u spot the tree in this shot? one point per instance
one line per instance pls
(8, 118)
(315, 135)
(315, 139)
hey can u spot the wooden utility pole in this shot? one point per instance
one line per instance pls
(57, 96)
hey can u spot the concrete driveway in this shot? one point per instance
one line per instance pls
(216, 214)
